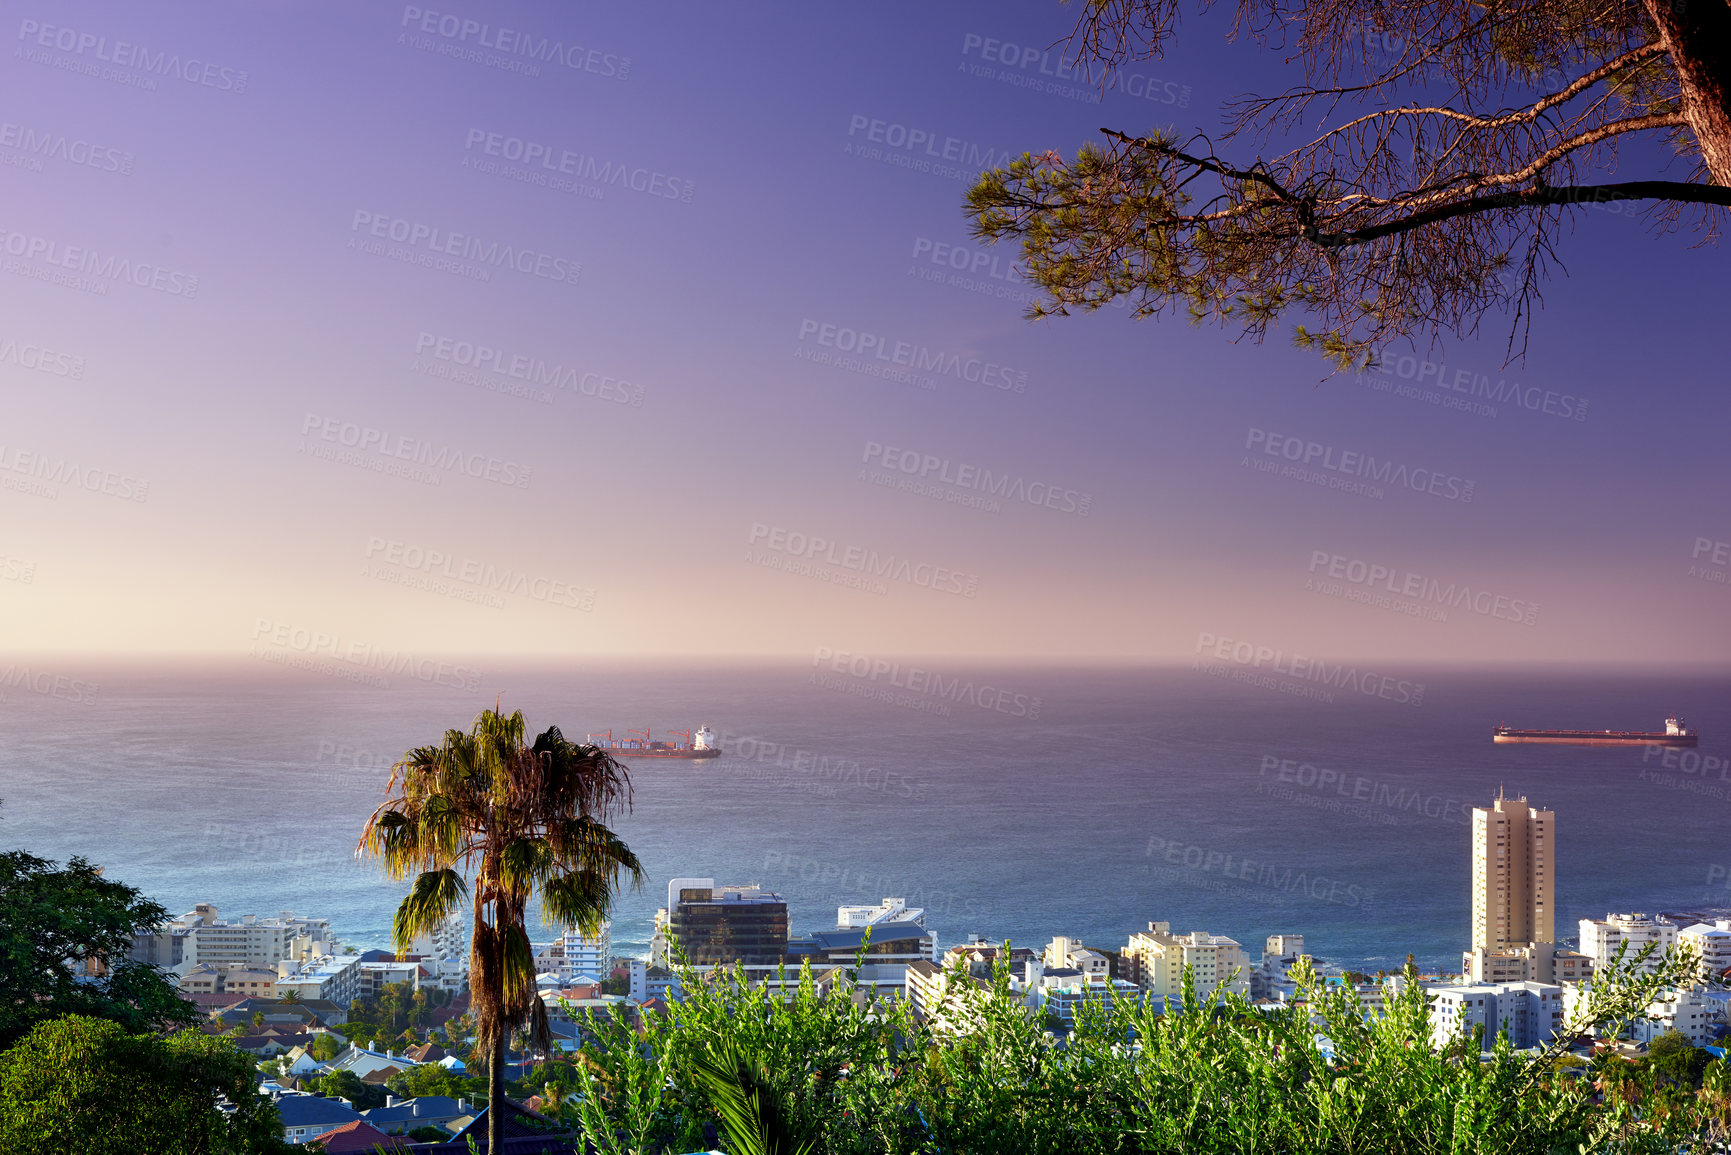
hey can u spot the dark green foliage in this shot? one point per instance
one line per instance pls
(433, 1079)
(50, 916)
(348, 1085)
(1211, 1075)
(398, 1007)
(80, 1084)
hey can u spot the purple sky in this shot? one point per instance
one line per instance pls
(282, 459)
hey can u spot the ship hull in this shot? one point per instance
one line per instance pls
(1595, 738)
(686, 755)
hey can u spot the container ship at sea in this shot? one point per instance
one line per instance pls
(1674, 734)
(698, 745)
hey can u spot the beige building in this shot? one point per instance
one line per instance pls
(1069, 954)
(238, 980)
(1156, 958)
(1514, 889)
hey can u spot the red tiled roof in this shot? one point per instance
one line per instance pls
(359, 1137)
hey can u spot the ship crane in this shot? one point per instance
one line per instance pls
(646, 739)
(686, 734)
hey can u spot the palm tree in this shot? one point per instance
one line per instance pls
(521, 819)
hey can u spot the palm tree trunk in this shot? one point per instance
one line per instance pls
(495, 1091)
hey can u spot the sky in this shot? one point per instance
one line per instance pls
(330, 329)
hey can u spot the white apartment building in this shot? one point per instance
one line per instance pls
(945, 1001)
(1067, 953)
(575, 955)
(1688, 1010)
(338, 978)
(373, 977)
(1601, 938)
(1711, 944)
(889, 910)
(1532, 1013)
(1272, 978)
(1063, 994)
(1157, 959)
(1694, 1012)
(200, 936)
(449, 940)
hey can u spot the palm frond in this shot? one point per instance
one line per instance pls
(435, 896)
(753, 1117)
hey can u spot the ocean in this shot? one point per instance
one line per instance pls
(1012, 803)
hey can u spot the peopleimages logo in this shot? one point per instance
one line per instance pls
(43, 144)
(511, 42)
(27, 355)
(1255, 658)
(928, 467)
(46, 683)
(1373, 578)
(35, 34)
(926, 143)
(916, 357)
(917, 680)
(474, 572)
(439, 242)
(866, 563)
(367, 440)
(553, 161)
(1353, 464)
(299, 646)
(1356, 789)
(523, 367)
(1090, 80)
(1470, 383)
(1236, 867)
(90, 263)
(51, 471)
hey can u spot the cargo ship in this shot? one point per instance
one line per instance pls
(1674, 734)
(698, 745)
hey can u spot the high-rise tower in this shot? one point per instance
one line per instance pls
(1514, 896)
(1514, 875)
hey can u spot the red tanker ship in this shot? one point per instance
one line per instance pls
(699, 745)
(1674, 734)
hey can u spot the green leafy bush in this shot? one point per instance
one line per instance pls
(1211, 1074)
(82, 1084)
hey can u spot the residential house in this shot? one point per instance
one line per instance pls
(305, 1117)
(399, 1116)
(361, 1138)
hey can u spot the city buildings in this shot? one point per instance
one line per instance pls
(721, 925)
(200, 936)
(238, 979)
(1069, 953)
(1531, 1013)
(337, 978)
(1601, 939)
(1710, 942)
(1513, 896)
(979, 958)
(575, 956)
(889, 910)
(1272, 978)
(945, 999)
(1698, 1014)
(1156, 959)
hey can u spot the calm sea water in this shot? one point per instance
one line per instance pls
(1133, 795)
